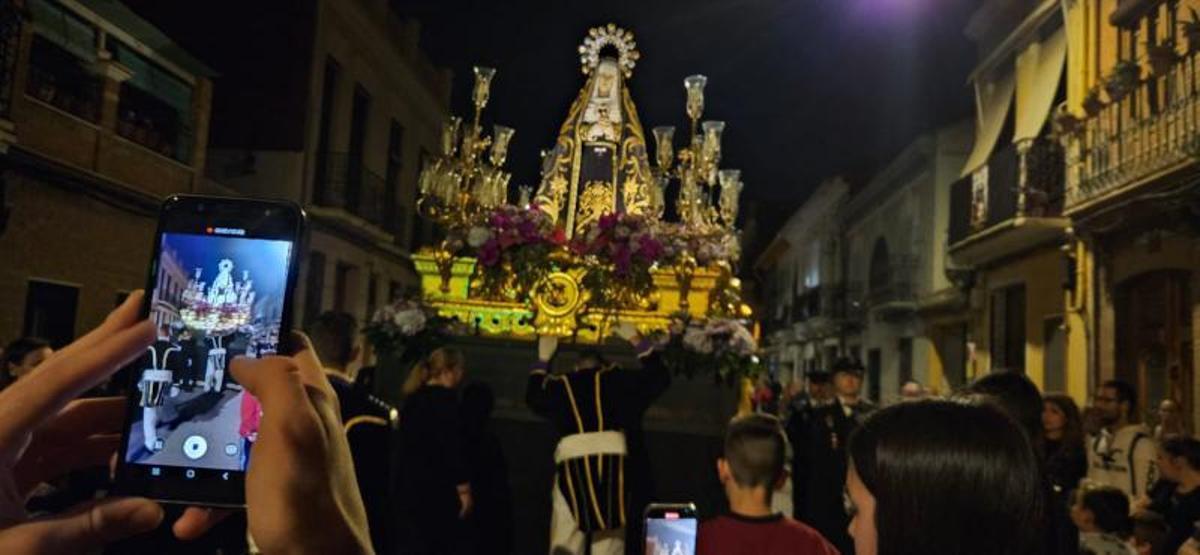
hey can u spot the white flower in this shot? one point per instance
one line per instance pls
(477, 236)
(697, 340)
(409, 322)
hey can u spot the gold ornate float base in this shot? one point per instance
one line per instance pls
(559, 305)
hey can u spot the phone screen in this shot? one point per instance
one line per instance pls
(217, 297)
(671, 533)
(218, 292)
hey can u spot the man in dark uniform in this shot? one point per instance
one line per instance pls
(369, 422)
(820, 462)
(800, 411)
(594, 408)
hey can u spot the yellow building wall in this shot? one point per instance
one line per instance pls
(1079, 325)
(1041, 273)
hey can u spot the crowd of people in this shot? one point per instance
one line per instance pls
(997, 468)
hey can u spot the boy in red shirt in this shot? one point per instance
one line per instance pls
(755, 447)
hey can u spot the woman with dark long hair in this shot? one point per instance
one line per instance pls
(1066, 450)
(435, 489)
(944, 478)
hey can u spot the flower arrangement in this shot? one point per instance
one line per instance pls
(623, 248)
(408, 329)
(678, 240)
(723, 346)
(510, 238)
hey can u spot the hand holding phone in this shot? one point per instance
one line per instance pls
(44, 434)
(301, 474)
(671, 529)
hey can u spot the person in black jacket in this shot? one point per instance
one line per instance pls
(435, 488)
(369, 422)
(491, 522)
(1066, 449)
(820, 461)
(1177, 496)
(600, 460)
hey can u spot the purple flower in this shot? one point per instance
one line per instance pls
(489, 253)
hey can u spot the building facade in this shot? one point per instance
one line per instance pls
(1007, 230)
(101, 117)
(336, 109)
(806, 309)
(1132, 194)
(895, 264)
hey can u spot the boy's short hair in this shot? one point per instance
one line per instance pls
(1109, 507)
(755, 447)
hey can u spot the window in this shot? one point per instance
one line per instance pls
(314, 287)
(328, 97)
(372, 294)
(155, 107)
(355, 163)
(1008, 329)
(880, 272)
(874, 373)
(1054, 352)
(394, 215)
(60, 78)
(10, 38)
(906, 360)
(50, 310)
(341, 286)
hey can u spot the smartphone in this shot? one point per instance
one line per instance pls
(671, 529)
(219, 287)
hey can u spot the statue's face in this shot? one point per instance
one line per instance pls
(606, 78)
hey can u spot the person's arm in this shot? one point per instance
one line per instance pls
(654, 378)
(539, 387)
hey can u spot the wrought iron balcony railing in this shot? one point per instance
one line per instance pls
(350, 186)
(1016, 182)
(1152, 126)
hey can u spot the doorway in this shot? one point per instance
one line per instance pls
(1153, 330)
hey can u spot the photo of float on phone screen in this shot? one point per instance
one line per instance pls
(671, 529)
(220, 289)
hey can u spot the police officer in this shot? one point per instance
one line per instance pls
(820, 464)
(369, 422)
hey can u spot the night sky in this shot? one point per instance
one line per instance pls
(808, 88)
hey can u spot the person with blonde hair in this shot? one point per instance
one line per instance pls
(435, 489)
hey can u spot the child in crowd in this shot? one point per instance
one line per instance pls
(1102, 515)
(755, 450)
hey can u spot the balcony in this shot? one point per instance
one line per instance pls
(350, 187)
(1151, 131)
(1012, 203)
(892, 289)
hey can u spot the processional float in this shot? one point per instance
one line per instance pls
(594, 243)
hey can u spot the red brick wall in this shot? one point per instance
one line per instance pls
(61, 235)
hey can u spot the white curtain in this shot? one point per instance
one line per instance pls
(1039, 71)
(993, 96)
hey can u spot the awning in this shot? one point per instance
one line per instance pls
(993, 95)
(1039, 72)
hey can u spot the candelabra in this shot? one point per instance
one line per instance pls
(460, 185)
(697, 169)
